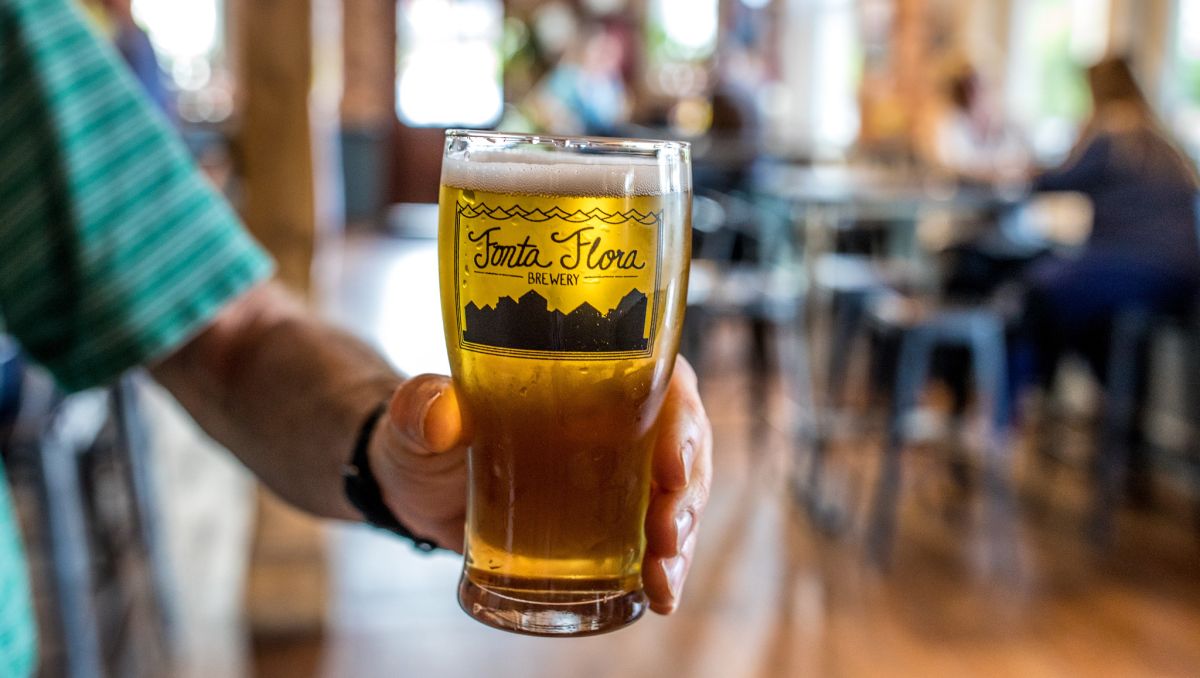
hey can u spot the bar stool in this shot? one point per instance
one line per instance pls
(1129, 363)
(921, 331)
(103, 603)
(763, 289)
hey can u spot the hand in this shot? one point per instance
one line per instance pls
(681, 477)
(418, 453)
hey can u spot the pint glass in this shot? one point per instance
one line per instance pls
(564, 266)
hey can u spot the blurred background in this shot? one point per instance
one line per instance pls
(943, 308)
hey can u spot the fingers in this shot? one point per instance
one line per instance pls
(419, 458)
(682, 477)
(444, 428)
(671, 526)
(424, 414)
(663, 578)
(672, 517)
(449, 533)
(683, 430)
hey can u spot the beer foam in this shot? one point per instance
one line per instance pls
(550, 174)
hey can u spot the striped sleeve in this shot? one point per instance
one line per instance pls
(18, 634)
(114, 248)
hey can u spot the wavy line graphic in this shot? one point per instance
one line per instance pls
(576, 217)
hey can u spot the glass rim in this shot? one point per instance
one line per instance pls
(568, 142)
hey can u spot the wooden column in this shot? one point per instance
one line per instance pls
(287, 587)
(900, 80)
(275, 144)
(369, 49)
(982, 36)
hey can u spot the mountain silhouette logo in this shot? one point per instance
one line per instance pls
(529, 324)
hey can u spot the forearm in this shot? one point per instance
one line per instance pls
(284, 392)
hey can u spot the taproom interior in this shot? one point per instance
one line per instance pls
(943, 308)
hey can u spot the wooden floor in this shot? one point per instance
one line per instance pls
(975, 588)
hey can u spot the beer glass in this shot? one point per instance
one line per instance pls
(563, 266)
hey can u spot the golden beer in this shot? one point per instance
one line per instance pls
(563, 281)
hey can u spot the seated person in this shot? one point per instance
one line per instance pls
(1142, 252)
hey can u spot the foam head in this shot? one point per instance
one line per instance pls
(551, 173)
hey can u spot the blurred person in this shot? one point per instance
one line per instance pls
(724, 158)
(972, 143)
(585, 93)
(970, 140)
(114, 252)
(1142, 252)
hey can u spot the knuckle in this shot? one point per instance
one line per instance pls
(694, 413)
(685, 370)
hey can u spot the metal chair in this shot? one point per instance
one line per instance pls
(747, 269)
(921, 331)
(104, 598)
(744, 270)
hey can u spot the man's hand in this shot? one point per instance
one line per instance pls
(418, 454)
(682, 475)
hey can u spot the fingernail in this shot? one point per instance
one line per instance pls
(683, 529)
(687, 453)
(424, 418)
(673, 572)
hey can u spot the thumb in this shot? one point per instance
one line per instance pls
(424, 412)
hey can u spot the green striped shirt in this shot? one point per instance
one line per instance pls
(114, 249)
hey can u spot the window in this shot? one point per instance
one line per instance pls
(1052, 41)
(683, 30)
(448, 62)
(1184, 88)
(681, 35)
(837, 54)
(189, 40)
(185, 35)
(814, 107)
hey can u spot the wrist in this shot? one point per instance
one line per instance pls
(361, 487)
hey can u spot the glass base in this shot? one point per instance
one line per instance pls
(551, 614)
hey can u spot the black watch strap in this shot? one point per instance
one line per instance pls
(362, 489)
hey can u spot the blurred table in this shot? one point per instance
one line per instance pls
(830, 198)
(881, 191)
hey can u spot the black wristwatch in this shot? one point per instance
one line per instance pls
(362, 490)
